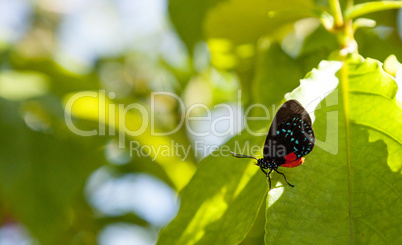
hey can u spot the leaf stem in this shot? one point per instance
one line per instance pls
(337, 13)
(343, 30)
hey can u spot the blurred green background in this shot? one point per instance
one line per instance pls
(57, 187)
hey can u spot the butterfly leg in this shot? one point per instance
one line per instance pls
(267, 174)
(285, 178)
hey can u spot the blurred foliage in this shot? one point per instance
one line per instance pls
(203, 52)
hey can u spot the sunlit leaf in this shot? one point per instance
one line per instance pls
(223, 198)
(344, 196)
(22, 85)
(391, 65)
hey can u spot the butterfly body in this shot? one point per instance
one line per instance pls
(289, 139)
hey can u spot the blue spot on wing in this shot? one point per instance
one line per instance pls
(297, 136)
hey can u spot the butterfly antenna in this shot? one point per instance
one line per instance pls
(242, 156)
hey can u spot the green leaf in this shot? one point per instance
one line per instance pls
(273, 79)
(231, 20)
(222, 210)
(371, 7)
(57, 79)
(42, 175)
(317, 43)
(188, 16)
(349, 189)
(379, 42)
(220, 203)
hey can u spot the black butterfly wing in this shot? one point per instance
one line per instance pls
(288, 110)
(290, 132)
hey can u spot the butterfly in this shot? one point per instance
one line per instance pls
(289, 139)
